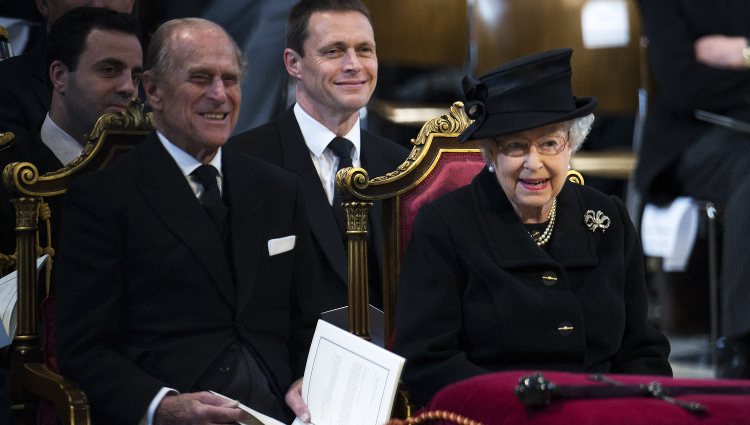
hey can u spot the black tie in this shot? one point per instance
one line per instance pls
(342, 148)
(210, 199)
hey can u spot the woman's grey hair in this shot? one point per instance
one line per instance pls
(161, 62)
(578, 129)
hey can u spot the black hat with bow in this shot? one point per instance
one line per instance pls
(523, 94)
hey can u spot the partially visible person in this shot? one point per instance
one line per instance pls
(700, 60)
(95, 63)
(332, 56)
(522, 269)
(179, 270)
(25, 89)
(94, 60)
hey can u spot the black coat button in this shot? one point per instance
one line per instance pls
(565, 328)
(549, 278)
(224, 370)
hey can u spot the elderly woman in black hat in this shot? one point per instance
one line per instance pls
(522, 269)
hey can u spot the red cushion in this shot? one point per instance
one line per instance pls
(49, 332)
(490, 399)
(46, 414)
(452, 170)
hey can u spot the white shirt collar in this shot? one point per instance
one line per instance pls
(317, 136)
(184, 160)
(63, 145)
(188, 164)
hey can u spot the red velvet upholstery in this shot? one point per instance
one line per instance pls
(490, 399)
(452, 170)
(49, 342)
(46, 414)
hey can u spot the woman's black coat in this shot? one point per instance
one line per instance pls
(476, 294)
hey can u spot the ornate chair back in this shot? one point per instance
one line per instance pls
(437, 164)
(33, 372)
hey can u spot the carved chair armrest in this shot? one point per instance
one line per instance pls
(71, 404)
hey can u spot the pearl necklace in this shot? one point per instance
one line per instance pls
(542, 239)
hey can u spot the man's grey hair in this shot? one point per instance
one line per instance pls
(160, 62)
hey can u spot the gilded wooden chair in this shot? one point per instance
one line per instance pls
(35, 383)
(437, 164)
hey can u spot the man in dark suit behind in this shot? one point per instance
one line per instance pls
(699, 55)
(95, 62)
(331, 54)
(25, 91)
(171, 283)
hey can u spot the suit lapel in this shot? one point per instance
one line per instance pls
(169, 195)
(245, 201)
(296, 158)
(45, 159)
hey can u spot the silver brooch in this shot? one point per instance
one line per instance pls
(596, 220)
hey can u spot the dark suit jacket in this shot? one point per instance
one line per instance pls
(683, 85)
(472, 296)
(146, 297)
(25, 94)
(280, 142)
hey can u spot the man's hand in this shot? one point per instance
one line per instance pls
(295, 402)
(720, 51)
(197, 408)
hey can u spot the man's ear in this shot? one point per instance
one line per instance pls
(58, 75)
(42, 6)
(293, 63)
(151, 90)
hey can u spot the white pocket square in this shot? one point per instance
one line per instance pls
(280, 245)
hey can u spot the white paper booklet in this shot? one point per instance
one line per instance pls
(349, 380)
(253, 417)
(8, 300)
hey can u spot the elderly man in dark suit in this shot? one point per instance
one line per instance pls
(331, 55)
(179, 271)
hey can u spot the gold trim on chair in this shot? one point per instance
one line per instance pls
(357, 183)
(23, 177)
(6, 138)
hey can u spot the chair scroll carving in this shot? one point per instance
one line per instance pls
(31, 378)
(434, 143)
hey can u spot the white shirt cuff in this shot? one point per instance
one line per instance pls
(149, 417)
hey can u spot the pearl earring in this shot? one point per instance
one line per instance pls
(490, 168)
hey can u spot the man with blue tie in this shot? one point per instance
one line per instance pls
(179, 271)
